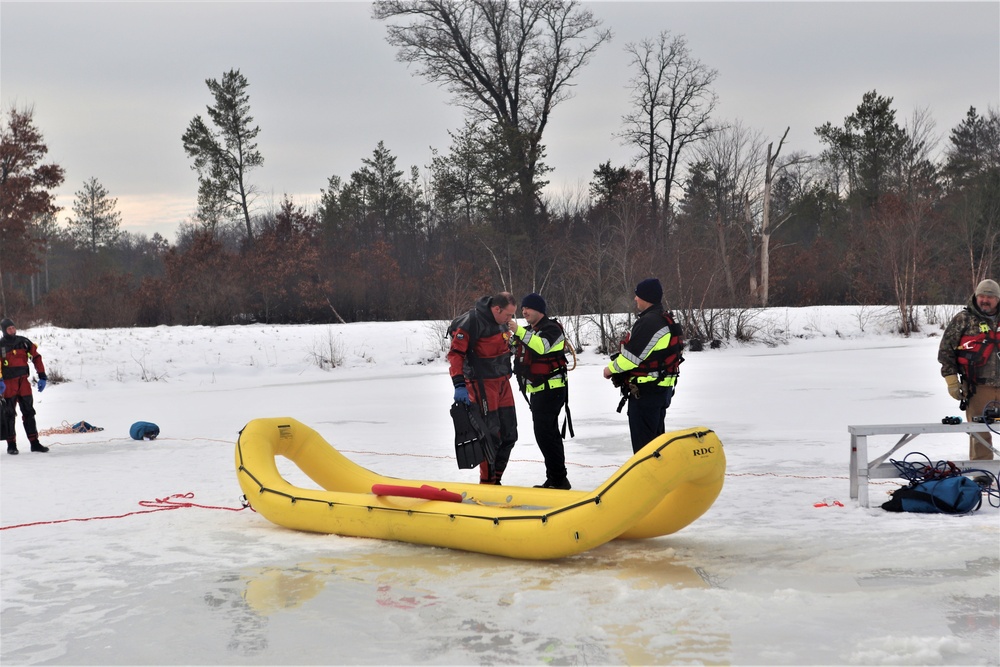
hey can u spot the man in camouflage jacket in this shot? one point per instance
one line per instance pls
(970, 358)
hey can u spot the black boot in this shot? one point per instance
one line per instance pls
(11, 447)
(557, 484)
(38, 447)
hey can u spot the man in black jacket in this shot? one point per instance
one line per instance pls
(540, 365)
(647, 364)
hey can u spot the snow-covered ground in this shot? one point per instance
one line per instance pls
(92, 574)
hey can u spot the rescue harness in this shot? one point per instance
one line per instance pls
(537, 373)
(972, 353)
(660, 367)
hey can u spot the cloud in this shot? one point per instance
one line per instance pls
(116, 84)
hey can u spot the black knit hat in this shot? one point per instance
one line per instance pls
(534, 301)
(4, 323)
(649, 290)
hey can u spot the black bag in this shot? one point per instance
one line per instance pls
(473, 441)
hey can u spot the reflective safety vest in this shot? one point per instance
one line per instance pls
(661, 364)
(974, 350)
(541, 363)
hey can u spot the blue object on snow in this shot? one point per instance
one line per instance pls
(142, 430)
(84, 427)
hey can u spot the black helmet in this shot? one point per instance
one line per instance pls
(4, 323)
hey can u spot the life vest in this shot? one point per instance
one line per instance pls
(535, 368)
(974, 350)
(539, 372)
(661, 366)
(487, 354)
(17, 353)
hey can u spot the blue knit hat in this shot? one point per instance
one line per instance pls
(649, 290)
(534, 301)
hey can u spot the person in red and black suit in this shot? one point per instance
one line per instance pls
(479, 362)
(16, 352)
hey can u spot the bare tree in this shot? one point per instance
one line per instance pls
(972, 167)
(672, 102)
(766, 226)
(45, 229)
(507, 62)
(732, 159)
(904, 230)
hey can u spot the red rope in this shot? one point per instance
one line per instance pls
(613, 466)
(162, 504)
(776, 474)
(157, 505)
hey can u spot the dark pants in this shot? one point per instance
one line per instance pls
(502, 422)
(545, 408)
(9, 413)
(646, 415)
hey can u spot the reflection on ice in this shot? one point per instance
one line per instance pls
(892, 578)
(481, 608)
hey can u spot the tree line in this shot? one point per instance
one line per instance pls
(726, 217)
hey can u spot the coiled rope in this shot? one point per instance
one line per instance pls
(924, 471)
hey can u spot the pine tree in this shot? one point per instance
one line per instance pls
(97, 223)
(869, 146)
(975, 146)
(223, 157)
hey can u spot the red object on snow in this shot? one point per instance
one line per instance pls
(427, 492)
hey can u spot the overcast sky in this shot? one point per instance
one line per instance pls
(114, 85)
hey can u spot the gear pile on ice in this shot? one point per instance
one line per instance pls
(940, 487)
(66, 428)
(84, 427)
(144, 431)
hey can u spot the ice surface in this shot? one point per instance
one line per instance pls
(89, 576)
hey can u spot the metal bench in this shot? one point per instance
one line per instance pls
(863, 470)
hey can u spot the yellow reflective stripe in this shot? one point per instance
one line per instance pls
(615, 367)
(551, 383)
(539, 345)
(660, 341)
(627, 361)
(668, 381)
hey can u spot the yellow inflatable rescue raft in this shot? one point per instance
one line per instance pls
(664, 487)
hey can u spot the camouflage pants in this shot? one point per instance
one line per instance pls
(980, 398)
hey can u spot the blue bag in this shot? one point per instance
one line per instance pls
(142, 430)
(950, 495)
(84, 427)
